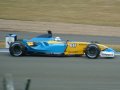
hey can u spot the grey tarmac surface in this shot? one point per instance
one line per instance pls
(61, 73)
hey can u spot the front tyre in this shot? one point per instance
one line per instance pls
(17, 49)
(92, 51)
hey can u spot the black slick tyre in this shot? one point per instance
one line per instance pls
(17, 49)
(92, 51)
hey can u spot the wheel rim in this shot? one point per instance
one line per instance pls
(92, 52)
(17, 50)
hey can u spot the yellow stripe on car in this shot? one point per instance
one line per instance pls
(30, 43)
(76, 48)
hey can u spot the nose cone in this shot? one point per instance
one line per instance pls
(109, 52)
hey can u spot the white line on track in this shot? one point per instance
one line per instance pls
(4, 50)
(117, 54)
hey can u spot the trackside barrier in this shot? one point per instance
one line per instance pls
(8, 82)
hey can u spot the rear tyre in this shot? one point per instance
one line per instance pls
(92, 51)
(17, 49)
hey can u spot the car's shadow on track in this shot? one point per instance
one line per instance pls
(66, 57)
(60, 57)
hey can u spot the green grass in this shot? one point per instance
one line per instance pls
(96, 12)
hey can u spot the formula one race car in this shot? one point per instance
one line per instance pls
(48, 45)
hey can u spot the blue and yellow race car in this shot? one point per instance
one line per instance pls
(48, 45)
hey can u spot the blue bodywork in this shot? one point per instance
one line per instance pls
(42, 45)
(110, 50)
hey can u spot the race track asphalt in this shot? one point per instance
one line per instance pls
(61, 73)
(64, 73)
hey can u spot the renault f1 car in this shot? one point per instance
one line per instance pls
(48, 45)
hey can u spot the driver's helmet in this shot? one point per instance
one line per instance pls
(57, 39)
